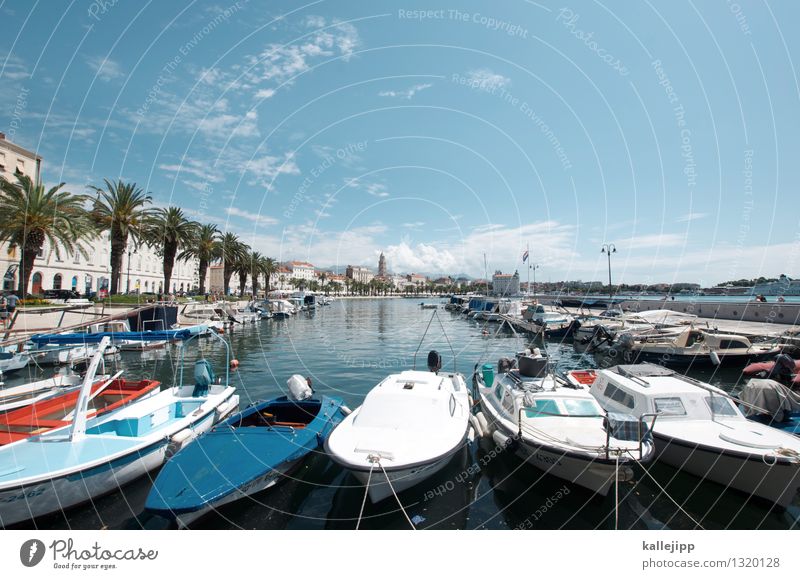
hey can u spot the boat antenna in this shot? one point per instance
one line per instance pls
(441, 325)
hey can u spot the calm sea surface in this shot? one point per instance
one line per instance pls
(346, 349)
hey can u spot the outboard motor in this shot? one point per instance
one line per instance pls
(203, 377)
(299, 388)
(505, 365)
(434, 361)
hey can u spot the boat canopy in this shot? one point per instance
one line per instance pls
(770, 395)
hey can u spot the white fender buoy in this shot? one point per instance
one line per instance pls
(179, 440)
(476, 425)
(715, 358)
(471, 434)
(500, 439)
(483, 423)
(346, 410)
(227, 408)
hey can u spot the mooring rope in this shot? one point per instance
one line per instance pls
(366, 492)
(663, 490)
(388, 480)
(616, 494)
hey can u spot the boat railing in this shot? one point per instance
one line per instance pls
(422, 340)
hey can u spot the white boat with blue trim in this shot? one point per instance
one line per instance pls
(55, 471)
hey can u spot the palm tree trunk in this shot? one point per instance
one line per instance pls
(170, 250)
(242, 282)
(202, 270)
(227, 272)
(26, 268)
(266, 284)
(119, 242)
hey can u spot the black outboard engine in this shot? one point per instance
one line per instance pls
(505, 365)
(434, 361)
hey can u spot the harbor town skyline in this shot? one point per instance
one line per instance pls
(320, 134)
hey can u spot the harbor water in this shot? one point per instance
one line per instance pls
(346, 349)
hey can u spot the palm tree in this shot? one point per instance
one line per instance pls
(242, 267)
(121, 210)
(30, 215)
(229, 250)
(202, 248)
(169, 230)
(269, 268)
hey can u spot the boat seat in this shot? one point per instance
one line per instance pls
(110, 392)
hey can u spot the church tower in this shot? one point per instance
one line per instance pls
(382, 266)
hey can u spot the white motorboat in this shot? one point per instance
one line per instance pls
(408, 428)
(200, 314)
(54, 471)
(691, 347)
(663, 323)
(13, 361)
(699, 429)
(559, 427)
(555, 323)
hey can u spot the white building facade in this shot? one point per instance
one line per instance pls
(142, 269)
(505, 284)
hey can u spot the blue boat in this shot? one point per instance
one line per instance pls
(244, 455)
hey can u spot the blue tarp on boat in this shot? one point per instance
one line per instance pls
(94, 338)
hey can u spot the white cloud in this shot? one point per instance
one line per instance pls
(407, 94)
(372, 188)
(688, 217)
(265, 93)
(251, 216)
(105, 68)
(485, 79)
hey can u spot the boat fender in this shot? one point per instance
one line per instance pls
(299, 387)
(224, 409)
(179, 440)
(346, 410)
(500, 439)
(476, 425)
(714, 358)
(234, 364)
(471, 434)
(484, 424)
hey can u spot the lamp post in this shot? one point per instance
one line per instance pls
(534, 267)
(128, 284)
(608, 249)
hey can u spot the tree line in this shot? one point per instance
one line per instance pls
(32, 215)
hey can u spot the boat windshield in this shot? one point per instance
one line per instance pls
(720, 405)
(544, 407)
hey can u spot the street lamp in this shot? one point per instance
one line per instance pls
(128, 285)
(608, 249)
(534, 267)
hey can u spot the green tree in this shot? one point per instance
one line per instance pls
(202, 248)
(32, 215)
(229, 250)
(168, 230)
(122, 210)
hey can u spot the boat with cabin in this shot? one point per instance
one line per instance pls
(557, 426)
(698, 428)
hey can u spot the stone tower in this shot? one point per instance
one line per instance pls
(382, 266)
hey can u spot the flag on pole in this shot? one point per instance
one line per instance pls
(525, 256)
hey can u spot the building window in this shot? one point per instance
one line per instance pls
(20, 167)
(57, 281)
(74, 283)
(76, 259)
(40, 255)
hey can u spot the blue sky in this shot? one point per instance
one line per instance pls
(331, 131)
